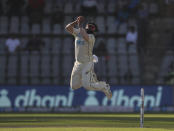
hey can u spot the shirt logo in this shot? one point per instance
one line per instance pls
(80, 42)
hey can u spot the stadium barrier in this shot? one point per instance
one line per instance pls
(63, 99)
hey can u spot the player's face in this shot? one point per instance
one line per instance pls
(90, 27)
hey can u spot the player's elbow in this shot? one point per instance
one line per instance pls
(69, 29)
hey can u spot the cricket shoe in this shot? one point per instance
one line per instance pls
(107, 91)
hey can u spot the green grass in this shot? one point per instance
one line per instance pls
(81, 129)
(85, 122)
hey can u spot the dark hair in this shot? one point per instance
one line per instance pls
(90, 30)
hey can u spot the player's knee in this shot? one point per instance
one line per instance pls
(85, 84)
(75, 86)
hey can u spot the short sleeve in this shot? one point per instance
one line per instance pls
(76, 31)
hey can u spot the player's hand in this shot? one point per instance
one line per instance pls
(80, 20)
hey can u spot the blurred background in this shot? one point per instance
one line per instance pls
(135, 46)
(134, 43)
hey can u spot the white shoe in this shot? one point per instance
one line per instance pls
(107, 91)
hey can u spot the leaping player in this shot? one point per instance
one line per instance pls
(83, 71)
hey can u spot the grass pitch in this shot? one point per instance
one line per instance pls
(85, 122)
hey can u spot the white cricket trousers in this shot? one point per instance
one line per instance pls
(83, 75)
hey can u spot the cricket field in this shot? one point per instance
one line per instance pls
(85, 122)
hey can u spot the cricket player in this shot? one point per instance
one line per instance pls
(83, 70)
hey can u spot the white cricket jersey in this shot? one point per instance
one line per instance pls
(83, 49)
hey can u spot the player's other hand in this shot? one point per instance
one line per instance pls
(80, 20)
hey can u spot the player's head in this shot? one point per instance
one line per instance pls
(91, 28)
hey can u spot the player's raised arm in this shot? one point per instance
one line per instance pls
(70, 26)
(84, 34)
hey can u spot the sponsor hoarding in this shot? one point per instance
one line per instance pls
(20, 98)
